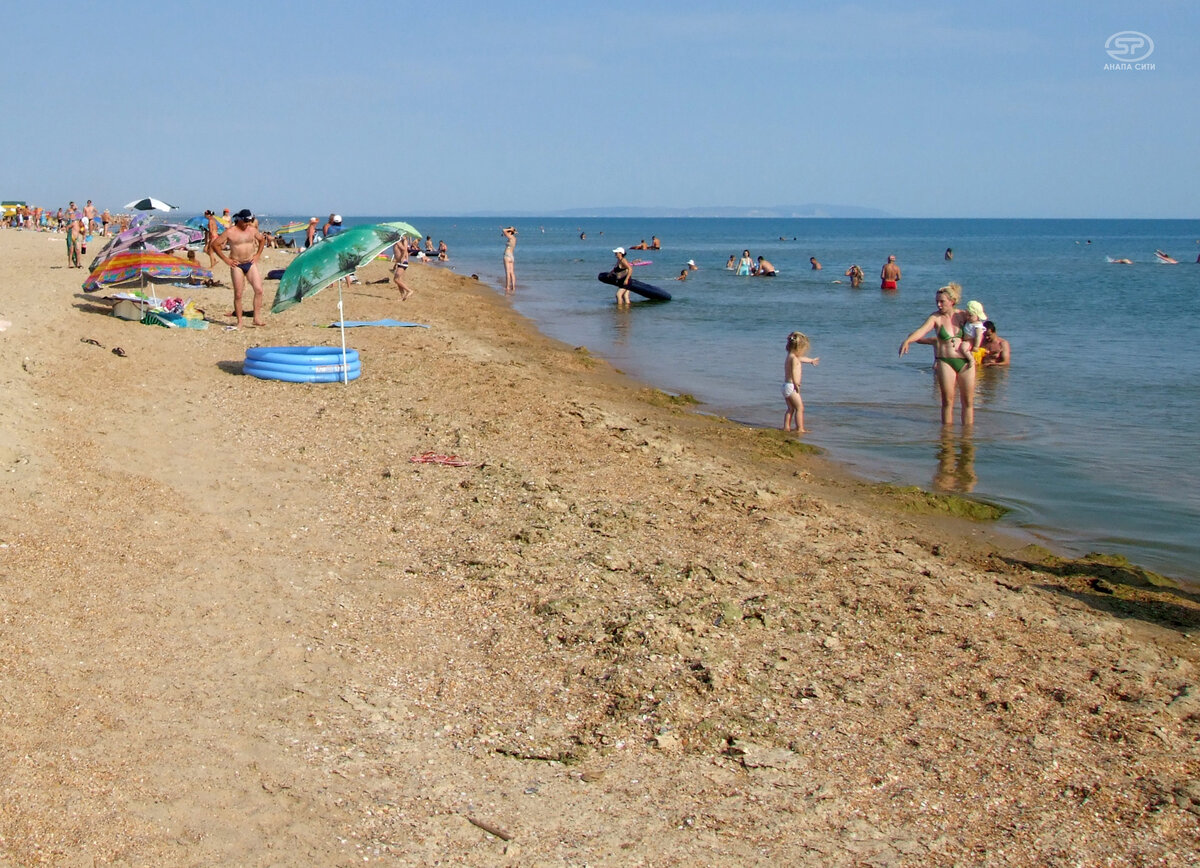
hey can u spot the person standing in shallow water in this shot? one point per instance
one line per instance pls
(622, 271)
(510, 263)
(889, 275)
(797, 346)
(953, 365)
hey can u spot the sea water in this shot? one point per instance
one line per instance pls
(1091, 438)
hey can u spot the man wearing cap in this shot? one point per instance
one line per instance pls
(246, 245)
(333, 227)
(622, 271)
(889, 277)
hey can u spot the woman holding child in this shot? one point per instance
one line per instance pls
(954, 365)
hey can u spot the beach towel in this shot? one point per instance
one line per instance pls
(173, 320)
(435, 458)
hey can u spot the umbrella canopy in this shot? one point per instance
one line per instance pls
(333, 259)
(133, 264)
(201, 222)
(291, 227)
(150, 204)
(161, 237)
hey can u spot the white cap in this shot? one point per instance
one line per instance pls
(691, 262)
(620, 250)
(337, 218)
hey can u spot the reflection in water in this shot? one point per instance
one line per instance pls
(955, 463)
(991, 384)
(621, 323)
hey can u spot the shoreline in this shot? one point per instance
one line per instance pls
(1059, 542)
(242, 626)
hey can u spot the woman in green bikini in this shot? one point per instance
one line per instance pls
(953, 366)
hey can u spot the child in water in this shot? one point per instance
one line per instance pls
(797, 346)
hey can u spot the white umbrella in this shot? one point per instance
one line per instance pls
(150, 204)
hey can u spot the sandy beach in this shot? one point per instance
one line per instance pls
(240, 626)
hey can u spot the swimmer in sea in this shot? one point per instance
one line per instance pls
(855, 273)
(655, 244)
(889, 275)
(816, 266)
(764, 268)
(745, 264)
(732, 263)
(997, 352)
(682, 275)
(692, 266)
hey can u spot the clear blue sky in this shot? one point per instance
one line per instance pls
(934, 108)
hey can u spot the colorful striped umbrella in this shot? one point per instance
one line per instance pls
(138, 264)
(156, 236)
(291, 227)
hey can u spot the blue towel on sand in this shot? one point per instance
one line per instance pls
(378, 322)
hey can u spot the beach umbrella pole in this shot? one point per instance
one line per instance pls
(342, 326)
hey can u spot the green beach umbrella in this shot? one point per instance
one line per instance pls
(330, 261)
(335, 258)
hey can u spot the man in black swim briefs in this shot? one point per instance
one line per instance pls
(246, 245)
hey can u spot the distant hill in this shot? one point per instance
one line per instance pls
(777, 211)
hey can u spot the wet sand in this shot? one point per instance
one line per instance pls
(239, 625)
